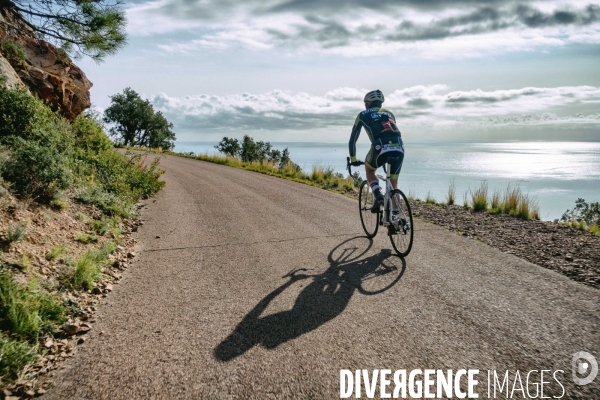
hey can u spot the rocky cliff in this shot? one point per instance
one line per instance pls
(41, 67)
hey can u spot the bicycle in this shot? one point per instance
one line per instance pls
(395, 214)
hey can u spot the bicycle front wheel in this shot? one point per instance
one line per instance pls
(401, 229)
(369, 220)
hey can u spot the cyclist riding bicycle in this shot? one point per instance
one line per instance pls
(386, 143)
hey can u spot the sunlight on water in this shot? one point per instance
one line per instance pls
(556, 173)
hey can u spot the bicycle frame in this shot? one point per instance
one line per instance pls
(388, 188)
(387, 198)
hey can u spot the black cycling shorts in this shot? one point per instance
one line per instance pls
(392, 153)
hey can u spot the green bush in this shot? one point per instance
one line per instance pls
(45, 155)
(13, 51)
(25, 311)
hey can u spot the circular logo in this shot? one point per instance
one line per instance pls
(584, 368)
(378, 147)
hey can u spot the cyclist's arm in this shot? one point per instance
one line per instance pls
(354, 137)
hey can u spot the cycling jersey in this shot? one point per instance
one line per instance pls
(385, 137)
(380, 125)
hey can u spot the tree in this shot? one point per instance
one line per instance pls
(229, 147)
(94, 28)
(136, 124)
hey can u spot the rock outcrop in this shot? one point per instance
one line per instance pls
(41, 67)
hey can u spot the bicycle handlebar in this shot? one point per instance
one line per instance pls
(349, 165)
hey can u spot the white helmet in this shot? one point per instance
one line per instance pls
(374, 96)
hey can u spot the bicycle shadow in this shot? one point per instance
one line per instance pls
(320, 301)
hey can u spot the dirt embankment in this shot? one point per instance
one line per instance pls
(44, 255)
(563, 249)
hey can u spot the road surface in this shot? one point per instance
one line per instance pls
(264, 288)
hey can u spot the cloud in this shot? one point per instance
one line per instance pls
(362, 28)
(434, 105)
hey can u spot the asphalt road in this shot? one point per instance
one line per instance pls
(263, 288)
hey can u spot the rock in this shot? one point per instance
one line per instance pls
(108, 287)
(81, 340)
(157, 236)
(70, 329)
(46, 70)
(48, 343)
(569, 257)
(40, 392)
(29, 394)
(131, 254)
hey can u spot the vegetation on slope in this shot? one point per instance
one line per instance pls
(50, 167)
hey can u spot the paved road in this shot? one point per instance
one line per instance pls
(212, 310)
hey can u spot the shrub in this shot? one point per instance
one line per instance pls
(358, 180)
(25, 311)
(479, 198)
(16, 233)
(13, 51)
(38, 143)
(589, 213)
(14, 356)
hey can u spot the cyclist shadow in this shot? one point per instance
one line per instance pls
(323, 299)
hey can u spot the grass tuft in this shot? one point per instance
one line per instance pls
(429, 199)
(25, 311)
(89, 266)
(16, 233)
(14, 356)
(451, 196)
(86, 239)
(479, 198)
(86, 271)
(56, 252)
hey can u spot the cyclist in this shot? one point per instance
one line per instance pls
(386, 143)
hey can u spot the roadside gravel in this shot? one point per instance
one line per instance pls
(563, 249)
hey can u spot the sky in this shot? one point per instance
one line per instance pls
(297, 70)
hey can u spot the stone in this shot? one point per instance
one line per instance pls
(70, 329)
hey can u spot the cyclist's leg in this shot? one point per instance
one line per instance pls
(371, 167)
(396, 158)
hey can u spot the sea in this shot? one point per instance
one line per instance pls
(554, 174)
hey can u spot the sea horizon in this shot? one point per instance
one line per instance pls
(554, 173)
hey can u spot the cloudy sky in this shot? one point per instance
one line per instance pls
(298, 69)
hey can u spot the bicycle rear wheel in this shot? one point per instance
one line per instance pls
(369, 220)
(401, 229)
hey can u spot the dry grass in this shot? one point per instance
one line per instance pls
(451, 196)
(479, 198)
(429, 199)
